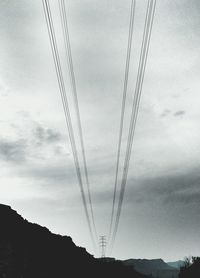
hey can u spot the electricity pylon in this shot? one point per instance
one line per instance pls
(102, 244)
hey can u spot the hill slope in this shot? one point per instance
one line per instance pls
(30, 251)
(176, 264)
(157, 267)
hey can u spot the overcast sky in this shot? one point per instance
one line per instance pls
(161, 212)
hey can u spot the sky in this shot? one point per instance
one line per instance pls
(161, 212)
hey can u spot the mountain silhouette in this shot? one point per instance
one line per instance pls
(30, 251)
(176, 264)
(155, 267)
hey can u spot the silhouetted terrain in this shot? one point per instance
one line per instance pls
(190, 270)
(30, 251)
(177, 264)
(157, 267)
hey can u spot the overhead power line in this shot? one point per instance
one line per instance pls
(137, 95)
(54, 48)
(126, 75)
(66, 36)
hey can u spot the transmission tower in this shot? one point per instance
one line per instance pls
(102, 244)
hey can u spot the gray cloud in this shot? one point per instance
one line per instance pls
(46, 135)
(177, 188)
(179, 113)
(52, 174)
(165, 113)
(20, 149)
(13, 151)
(171, 188)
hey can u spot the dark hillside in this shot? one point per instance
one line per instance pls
(30, 251)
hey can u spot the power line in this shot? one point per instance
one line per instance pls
(140, 77)
(137, 95)
(66, 36)
(54, 48)
(126, 75)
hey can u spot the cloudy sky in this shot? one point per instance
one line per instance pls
(161, 212)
